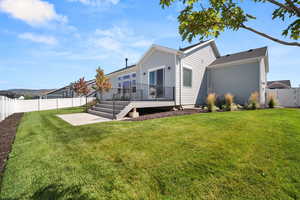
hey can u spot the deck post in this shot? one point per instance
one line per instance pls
(114, 117)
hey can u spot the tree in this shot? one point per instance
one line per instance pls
(211, 17)
(81, 88)
(102, 82)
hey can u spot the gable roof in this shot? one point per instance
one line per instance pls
(191, 46)
(120, 70)
(67, 87)
(159, 48)
(279, 84)
(252, 53)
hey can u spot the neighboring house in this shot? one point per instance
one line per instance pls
(282, 84)
(68, 92)
(170, 77)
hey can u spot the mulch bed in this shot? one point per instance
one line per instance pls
(167, 114)
(8, 128)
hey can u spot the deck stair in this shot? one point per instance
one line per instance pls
(111, 109)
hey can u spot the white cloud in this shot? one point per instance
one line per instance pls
(120, 41)
(50, 40)
(3, 82)
(142, 43)
(108, 43)
(96, 2)
(33, 12)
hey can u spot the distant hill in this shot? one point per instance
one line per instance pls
(27, 93)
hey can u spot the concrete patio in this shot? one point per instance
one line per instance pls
(79, 119)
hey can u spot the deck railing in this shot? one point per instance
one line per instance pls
(140, 92)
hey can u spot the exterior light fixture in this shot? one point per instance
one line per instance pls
(169, 68)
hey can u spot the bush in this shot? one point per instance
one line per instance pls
(254, 101)
(229, 102)
(211, 102)
(271, 101)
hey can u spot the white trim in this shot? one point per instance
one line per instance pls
(148, 74)
(214, 46)
(126, 75)
(156, 68)
(123, 71)
(243, 61)
(159, 48)
(188, 68)
(175, 79)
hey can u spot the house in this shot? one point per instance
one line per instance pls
(183, 77)
(282, 84)
(68, 91)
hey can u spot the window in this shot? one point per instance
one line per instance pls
(133, 85)
(126, 77)
(156, 83)
(134, 75)
(126, 84)
(119, 78)
(187, 77)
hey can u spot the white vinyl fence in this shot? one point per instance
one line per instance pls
(286, 97)
(10, 106)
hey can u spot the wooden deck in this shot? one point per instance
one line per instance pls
(151, 104)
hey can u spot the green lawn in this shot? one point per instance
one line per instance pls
(237, 155)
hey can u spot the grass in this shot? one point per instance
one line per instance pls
(232, 155)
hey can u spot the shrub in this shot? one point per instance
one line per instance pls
(271, 101)
(229, 102)
(211, 102)
(254, 101)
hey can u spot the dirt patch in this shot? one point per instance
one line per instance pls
(8, 129)
(167, 114)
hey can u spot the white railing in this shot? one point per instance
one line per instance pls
(7, 107)
(10, 106)
(286, 97)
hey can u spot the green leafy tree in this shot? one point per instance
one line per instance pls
(102, 82)
(208, 18)
(81, 88)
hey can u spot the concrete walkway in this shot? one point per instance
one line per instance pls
(79, 119)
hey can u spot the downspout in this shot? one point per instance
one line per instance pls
(180, 66)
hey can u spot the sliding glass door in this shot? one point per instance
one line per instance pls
(156, 83)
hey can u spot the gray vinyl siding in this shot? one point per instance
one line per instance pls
(238, 79)
(197, 60)
(158, 59)
(263, 81)
(113, 78)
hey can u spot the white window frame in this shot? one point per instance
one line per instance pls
(155, 69)
(182, 75)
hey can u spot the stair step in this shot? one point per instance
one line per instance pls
(101, 114)
(110, 106)
(106, 110)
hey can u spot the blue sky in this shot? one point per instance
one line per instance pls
(48, 44)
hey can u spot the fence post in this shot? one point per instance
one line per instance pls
(298, 97)
(1, 108)
(39, 105)
(5, 107)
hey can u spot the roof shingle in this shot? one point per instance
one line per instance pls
(252, 53)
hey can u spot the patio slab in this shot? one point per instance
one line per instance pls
(79, 119)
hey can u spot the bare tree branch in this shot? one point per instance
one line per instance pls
(270, 37)
(294, 7)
